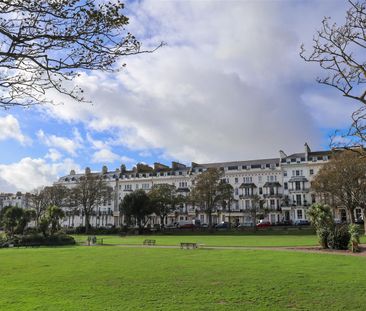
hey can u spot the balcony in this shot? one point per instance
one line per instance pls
(246, 196)
(300, 190)
(278, 195)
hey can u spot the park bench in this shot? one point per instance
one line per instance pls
(149, 242)
(185, 245)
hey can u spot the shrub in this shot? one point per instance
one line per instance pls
(39, 239)
(354, 231)
(339, 237)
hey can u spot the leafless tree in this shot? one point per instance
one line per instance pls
(45, 44)
(89, 192)
(340, 51)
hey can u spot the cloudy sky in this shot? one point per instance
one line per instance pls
(229, 85)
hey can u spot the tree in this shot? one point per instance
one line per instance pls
(227, 198)
(340, 51)
(322, 220)
(39, 203)
(42, 198)
(15, 219)
(45, 44)
(207, 191)
(256, 208)
(342, 182)
(136, 206)
(54, 215)
(163, 199)
(89, 192)
(55, 195)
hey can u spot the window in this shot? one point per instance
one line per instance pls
(236, 180)
(313, 198)
(272, 203)
(260, 190)
(236, 191)
(247, 203)
(232, 168)
(247, 179)
(299, 214)
(311, 172)
(260, 178)
(358, 214)
(285, 185)
(298, 199)
(285, 173)
(297, 185)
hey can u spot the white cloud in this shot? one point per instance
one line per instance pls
(229, 85)
(29, 173)
(53, 154)
(10, 129)
(107, 156)
(70, 145)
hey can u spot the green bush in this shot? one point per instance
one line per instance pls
(339, 237)
(40, 240)
(354, 231)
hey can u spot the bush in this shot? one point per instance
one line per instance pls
(40, 240)
(339, 238)
(354, 231)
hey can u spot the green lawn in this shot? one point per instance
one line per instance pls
(116, 278)
(213, 240)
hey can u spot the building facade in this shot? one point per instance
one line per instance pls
(282, 183)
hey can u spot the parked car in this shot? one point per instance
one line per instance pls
(284, 223)
(187, 226)
(302, 222)
(204, 225)
(223, 225)
(263, 224)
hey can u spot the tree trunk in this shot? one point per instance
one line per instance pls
(351, 215)
(209, 215)
(87, 223)
(364, 220)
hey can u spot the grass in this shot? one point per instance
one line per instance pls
(212, 240)
(116, 278)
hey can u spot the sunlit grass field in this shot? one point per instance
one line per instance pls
(214, 240)
(119, 278)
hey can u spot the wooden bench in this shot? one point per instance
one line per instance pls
(185, 245)
(149, 242)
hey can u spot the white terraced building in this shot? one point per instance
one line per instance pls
(283, 183)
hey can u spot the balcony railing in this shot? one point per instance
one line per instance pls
(306, 189)
(275, 195)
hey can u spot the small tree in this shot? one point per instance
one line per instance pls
(15, 220)
(227, 198)
(137, 206)
(163, 199)
(54, 215)
(207, 191)
(90, 191)
(257, 208)
(322, 219)
(342, 181)
(354, 231)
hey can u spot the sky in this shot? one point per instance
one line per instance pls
(228, 85)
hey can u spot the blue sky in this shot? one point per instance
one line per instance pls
(229, 85)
